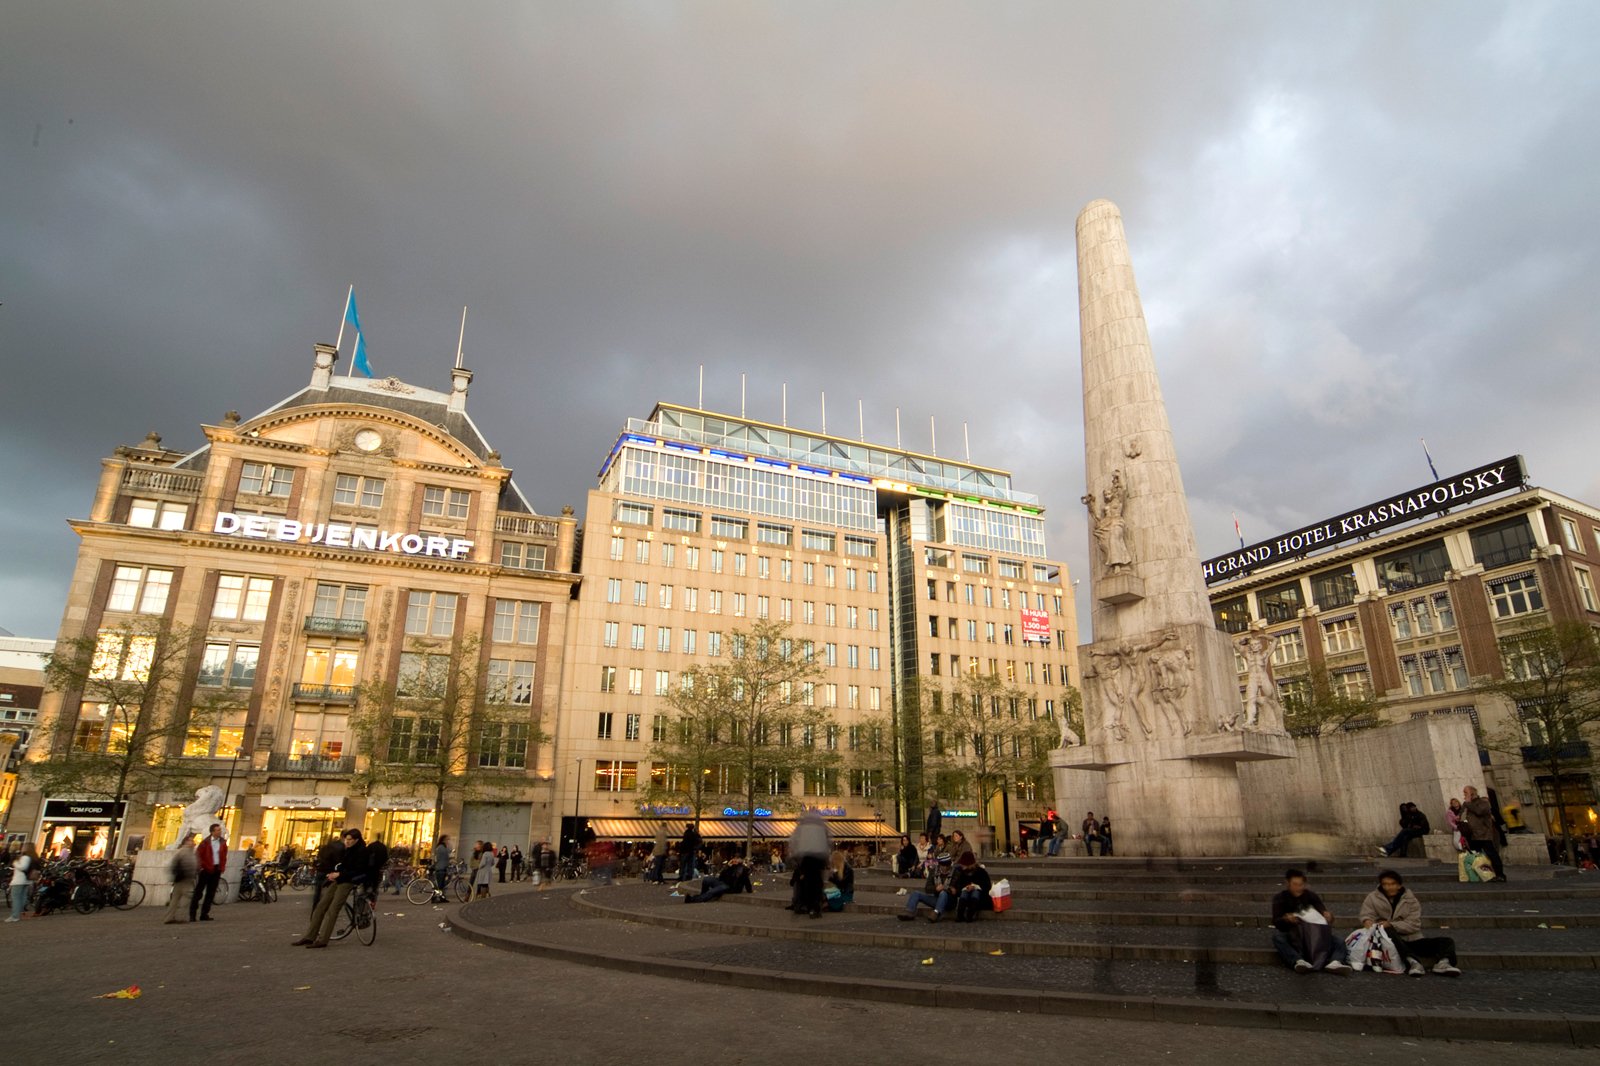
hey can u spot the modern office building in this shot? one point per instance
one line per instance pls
(345, 542)
(1410, 600)
(894, 568)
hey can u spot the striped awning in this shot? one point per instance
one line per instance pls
(734, 828)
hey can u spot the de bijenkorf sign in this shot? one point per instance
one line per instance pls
(1457, 491)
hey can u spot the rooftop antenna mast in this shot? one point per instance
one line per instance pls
(701, 403)
(741, 394)
(786, 403)
(967, 440)
(933, 434)
(898, 446)
(824, 414)
(861, 421)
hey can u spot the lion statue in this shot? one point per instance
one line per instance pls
(199, 815)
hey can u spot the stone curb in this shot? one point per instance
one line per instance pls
(1578, 1029)
(1263, 956)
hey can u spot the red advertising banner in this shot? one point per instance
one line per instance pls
(1035, 626)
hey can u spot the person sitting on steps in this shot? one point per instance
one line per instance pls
(1303, 943)
(1391, 907)
(970, 883)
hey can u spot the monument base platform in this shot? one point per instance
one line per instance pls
(1243, 746)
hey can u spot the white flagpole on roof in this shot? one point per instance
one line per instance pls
(344, 318)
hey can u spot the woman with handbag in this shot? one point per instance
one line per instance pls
(1399, 913)
(24, 872)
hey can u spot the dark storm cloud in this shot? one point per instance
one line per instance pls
(1352, 227)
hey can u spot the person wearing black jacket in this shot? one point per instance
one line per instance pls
(352, 871)
(1289, 929)
(688, 848)
(1413, 826)
(906, 858)
(970, 883)
(733, 877)
(377, 859)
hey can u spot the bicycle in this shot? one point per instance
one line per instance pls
(304, 876)
(359, 916)
(421, 889)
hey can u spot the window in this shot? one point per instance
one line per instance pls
(714, 601)
(609, 635)
(1503, 543)
(1335, 588)
(829, 614)
(716, 560)
(318, 738)
(516, 556)
(738, 605)
(636, 637)
(1443, 611)
(860, 547)
(157, 514)
(975, 564)
(1351, 684)
(608, 679)
(510, 682)
(872, 660)
(872, 581)
(352, 491)
(503, 744)
(641, 593)
(641, 551)
(636, 514)
(438, 502)
(264, 479)
(138, 589)
(345, 602)
(786, 570)
(1232, 616)
(872, 618)
(665, 597)
(516, 622)
(1341, 634)
(782, 536)
(1288, 647)
(691, 557)
(658, 728)
(1009, 568)
(684, 521)
(214, 735)
(618, 546)
(422, 674)
(613, 590)
(663, 639)
(689, 636)
(713, 643)
(1585, 588)
(603, 726)
(1515, 595)
(1281, 603)
(613, 775)
(1400, 619)
(1569, 535)
(729, 528)
(813, 540)
(691, 599)
(334, 667)
(630, 729)
(230, 665)
(635, 682)
(430, 614)
(241, 597)
(808, 573)
(663, 682)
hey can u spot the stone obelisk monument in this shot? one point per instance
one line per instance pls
(1163, 718)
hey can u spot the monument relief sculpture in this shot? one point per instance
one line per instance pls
(1110, 527)
(1123, 680)
(1261, 709)
(1170, 671)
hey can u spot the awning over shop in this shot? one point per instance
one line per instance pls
(734, 828)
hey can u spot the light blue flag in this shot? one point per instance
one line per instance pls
(360, 361)
(352, 316)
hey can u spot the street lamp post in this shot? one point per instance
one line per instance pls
(577, 783)
(227, 793)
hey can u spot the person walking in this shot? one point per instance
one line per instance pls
(658, 856)
(24, 872)
(1477, 825)
(934, 821)
(183, 868)
(1391, 907)
(483, 877)
(377, 864)
(350, 873)
(441, 867)
(810, 848)
(212, 858)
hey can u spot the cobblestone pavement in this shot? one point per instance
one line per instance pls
(233, 990)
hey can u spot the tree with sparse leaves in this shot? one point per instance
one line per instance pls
(124, 684)
(982, 737)
(447, 726)
(1316, 705)
(744, 721)
(1552, 682)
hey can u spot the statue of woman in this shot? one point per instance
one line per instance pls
(1110, 528)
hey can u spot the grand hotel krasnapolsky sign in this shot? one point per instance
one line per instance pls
(1474, 485)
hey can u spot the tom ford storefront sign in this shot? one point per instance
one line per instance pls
(1457, 491)
(339, 535)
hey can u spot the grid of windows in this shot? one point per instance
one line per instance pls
(265, 479)
(763, 490)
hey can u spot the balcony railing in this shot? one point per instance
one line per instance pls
(337, 627)
(325, 693)
(1575, 752)
(525, 525)
(144, 479)
(282, 762)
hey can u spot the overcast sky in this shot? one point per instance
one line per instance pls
(1354, 225)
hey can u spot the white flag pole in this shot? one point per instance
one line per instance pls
(462, 338)
(344, 318)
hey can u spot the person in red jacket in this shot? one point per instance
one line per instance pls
(212, 857)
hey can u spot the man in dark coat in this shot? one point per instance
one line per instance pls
(934, 821)
(688, 848)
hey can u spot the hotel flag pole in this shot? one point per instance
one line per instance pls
(351, 295)
(1432, 469)
(462, 338)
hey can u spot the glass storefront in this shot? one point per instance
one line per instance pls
(306, 828)
(79, 828)
(411, 830)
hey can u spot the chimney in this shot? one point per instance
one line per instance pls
(460, 379)
(322, 370)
